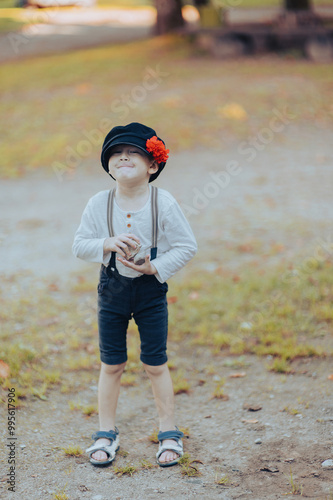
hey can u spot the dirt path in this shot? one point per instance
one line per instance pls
(280, 200)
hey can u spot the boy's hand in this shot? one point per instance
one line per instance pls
(146, 268)
(119, 244)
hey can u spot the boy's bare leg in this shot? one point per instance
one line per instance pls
(108, 392)
(164, 398)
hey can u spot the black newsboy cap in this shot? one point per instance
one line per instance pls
(134, 134)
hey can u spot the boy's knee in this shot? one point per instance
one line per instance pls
(113, 369)
(155, 371)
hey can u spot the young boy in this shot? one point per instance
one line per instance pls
(141, 237)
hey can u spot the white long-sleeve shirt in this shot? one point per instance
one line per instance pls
(176, 244)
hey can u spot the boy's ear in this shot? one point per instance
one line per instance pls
(153, 167)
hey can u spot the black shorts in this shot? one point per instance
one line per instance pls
(119, 300)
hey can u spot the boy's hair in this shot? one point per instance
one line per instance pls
(140, 136)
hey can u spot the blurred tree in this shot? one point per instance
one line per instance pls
(169, 12)
(297, 4)
(169, 15)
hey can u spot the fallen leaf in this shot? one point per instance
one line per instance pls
(53, 287)
(83, 88)
(245, 248)
(82, 487)
(30, 223)
(277, 248)
(90, 348)
(233, 111)
(172, 102)
(237, 375)
(172, 299)
(330, 377)
(4, 369)
(270, 202)
(221, 397)
(48, 321)
(236, 278)
(250, 421)
(251, 407)
(270, 469)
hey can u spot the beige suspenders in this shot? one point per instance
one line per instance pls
(154, 212)
(109, 209)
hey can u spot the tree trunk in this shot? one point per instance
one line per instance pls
(297, 4)
(169, 15)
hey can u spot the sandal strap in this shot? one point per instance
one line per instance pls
(175, 434)
(112, 435)
(177, 448)
(108, 449)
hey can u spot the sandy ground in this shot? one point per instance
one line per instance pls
(282, 197)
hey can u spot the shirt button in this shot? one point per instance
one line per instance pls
(128, 225)
(128, 216)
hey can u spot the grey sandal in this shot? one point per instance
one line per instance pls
(109, 449)
(177, 436)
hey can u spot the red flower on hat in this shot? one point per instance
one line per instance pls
(157, 149)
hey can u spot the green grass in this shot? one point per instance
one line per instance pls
(7, 4)
(10, 24)
(219, 391)
(127, 470)
(223, 481)
(285, 321)
(73, 451)
(180, 383)
(296, 488)
(187, 468)
(59, 108)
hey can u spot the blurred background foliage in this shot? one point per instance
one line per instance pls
(139, 3)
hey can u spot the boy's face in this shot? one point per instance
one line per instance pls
(130, 165)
